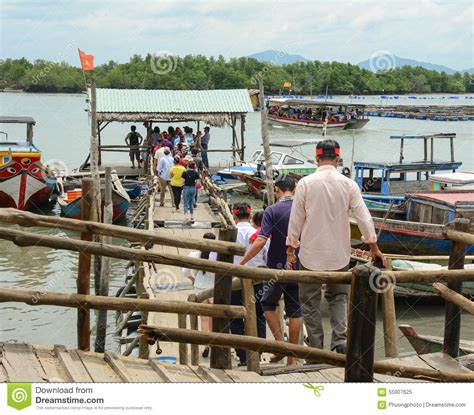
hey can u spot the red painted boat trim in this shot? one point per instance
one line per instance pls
(21, 196)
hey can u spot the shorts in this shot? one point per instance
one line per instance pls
(272, 292)
(134, 154)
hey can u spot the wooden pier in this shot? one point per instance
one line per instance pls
(23, 362)
(163, 309)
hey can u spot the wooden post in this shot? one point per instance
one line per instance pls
(425, 149)
(401, 150)
(183, 347)
(84, 268)
(143, 347)
(248, 296)
(432, 150)
(242, 137)
(454, 297)
(452, 322)
(234, 139)
(389, 318)
(266, 145)
(193, 323)
(451, 146)
(105, 265)
(359, 366)
(220, 358)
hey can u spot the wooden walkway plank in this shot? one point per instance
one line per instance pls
(175, 373)
(72, 365)
(243, 376)
(49, 362)
(206, 375)
(117, 366)
(20, 363)
(97, 367)
(442, 361)
(139, 370)
(335, 374)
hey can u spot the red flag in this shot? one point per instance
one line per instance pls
(87, 61)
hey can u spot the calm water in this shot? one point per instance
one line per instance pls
(62, 133)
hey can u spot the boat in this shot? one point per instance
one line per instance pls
(424, 344)
(70, 202)
(308, 113)
(294, 162)
(255, 184)
(25, 182)
(399, 177)
(422, 229)
(453, 181)
(133, 188)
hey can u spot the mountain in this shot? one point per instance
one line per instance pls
(470, 70)
(385, 61)
(278, 57)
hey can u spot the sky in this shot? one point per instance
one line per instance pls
(436, 31)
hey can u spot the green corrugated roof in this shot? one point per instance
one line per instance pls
(168, 101)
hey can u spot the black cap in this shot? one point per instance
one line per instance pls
(328, 149)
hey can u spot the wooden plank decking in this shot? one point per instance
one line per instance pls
(22, 362)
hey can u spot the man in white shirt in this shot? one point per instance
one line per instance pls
(319, 226)
(242, 213)
(164, 176)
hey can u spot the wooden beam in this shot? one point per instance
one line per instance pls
(147, 237)
(460, 236)
(452, 322)
(248, 297)
(266, 145)
(169, 334)
(118, 367)
(359, 365)
(87, 302)
(453, 297)
(389, 317)
(22, 238)
(220, 358)
(84, 267)
(183, 347)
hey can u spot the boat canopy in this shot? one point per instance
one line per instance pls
(460, 178)
(294, 143)
(311, 102)
(423, 136)
(29, 121)
(446, 197)
(16, 120)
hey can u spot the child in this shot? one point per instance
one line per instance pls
(203, 280)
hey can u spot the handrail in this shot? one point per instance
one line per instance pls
(261, 274)
(23, 218)
(98, 302)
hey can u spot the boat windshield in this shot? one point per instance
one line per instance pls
(259, 158)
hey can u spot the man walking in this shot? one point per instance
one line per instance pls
(319, 226)
(133, 141)
(275, 227)
(164, 175)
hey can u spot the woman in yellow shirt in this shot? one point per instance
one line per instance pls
(177, 181)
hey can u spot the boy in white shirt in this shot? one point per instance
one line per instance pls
(242, 213)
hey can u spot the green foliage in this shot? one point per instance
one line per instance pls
(201, 72)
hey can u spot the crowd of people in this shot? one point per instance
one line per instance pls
(307, 229)
(180, 142)
(179, 157)
(330, 114)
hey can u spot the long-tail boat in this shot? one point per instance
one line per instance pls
(25, 182)
(422, 229)
(70, 202)
(308, 113)
(424, 344)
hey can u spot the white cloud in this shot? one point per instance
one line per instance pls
(337, 30)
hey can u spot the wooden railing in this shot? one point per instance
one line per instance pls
(359, 361)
